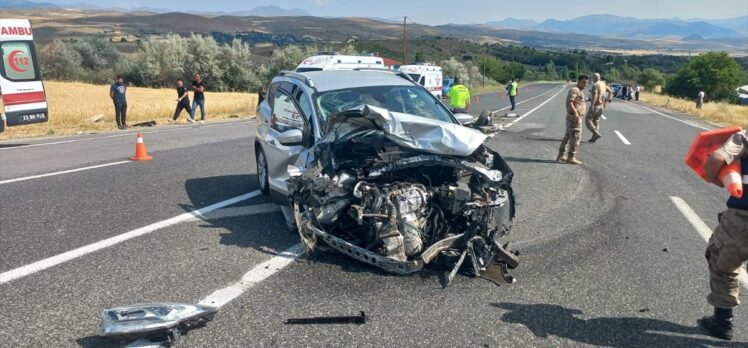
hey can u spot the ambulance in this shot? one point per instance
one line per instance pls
(23, 96)
(339, 62)
(427, 75)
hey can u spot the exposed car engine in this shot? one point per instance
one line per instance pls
(399, 207)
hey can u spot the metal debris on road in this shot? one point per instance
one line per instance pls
(357, 319)
(145, 124)
(166, 320)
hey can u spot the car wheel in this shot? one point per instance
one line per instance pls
(262, 172)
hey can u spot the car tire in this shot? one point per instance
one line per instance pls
(262, 172)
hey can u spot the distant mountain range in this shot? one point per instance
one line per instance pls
(25, 5)
(260, 11)
(629, 27)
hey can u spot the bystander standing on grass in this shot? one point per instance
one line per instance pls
(117, 92)
(183, 102)
(198, 99)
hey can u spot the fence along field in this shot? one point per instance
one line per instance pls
(74, 107)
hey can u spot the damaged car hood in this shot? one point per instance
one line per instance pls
(406, 130)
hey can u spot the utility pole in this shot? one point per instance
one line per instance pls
(405, 40)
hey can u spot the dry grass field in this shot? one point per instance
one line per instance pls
(73, 106)
(722, 113)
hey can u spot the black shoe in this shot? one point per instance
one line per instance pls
(719, 325)
(594, 139)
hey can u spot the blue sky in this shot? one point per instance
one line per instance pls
(469, 11)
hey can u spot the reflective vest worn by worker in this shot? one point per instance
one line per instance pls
(513, 89)
(459, 95)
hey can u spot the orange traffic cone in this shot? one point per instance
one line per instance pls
(141, 154)
(732, 178)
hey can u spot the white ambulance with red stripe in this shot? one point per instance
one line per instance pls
(20, 78)
(427, 75)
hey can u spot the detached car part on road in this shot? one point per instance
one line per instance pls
(385, 174)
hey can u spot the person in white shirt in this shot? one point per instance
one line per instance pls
(700, 100)
(638, 89)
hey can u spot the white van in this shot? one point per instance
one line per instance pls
(339, 62)
(428, 76)
(24, 99)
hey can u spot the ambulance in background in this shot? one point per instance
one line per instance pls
(339, 62)
(23, 96)
(427, 75)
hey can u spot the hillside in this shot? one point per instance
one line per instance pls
(60, 24)
(629, 27)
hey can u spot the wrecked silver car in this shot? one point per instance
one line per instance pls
(400, 192)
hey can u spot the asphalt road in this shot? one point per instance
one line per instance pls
(607, 257)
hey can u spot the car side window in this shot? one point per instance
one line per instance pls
(271, 94)
(286, 115)
(306, 106)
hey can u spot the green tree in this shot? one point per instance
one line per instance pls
(489, 66)
(204, 58)
(565, 73)
(454, 68)
(288, 58)
(650, 77)
(550, 73)
(240, 73)
(630, 73)
(420, 57)
(514, 70)
(60, 61)
(614, 75)
(716, 73)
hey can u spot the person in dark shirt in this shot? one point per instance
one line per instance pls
(261, 95)
(183, 102)
(198, 86)
(117, 93)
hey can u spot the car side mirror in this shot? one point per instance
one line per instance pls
(465, 119)
(291, 137)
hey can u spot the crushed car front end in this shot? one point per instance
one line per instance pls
(402, 192)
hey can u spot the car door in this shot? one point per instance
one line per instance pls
(287, 117)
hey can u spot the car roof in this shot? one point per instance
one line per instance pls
(329, 80)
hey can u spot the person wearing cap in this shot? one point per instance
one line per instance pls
(597, 105)
(575, 110)
(459, 97)
(728, 245)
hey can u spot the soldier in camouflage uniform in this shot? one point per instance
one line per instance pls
(597, 105)
(728, 246)
(575, 109)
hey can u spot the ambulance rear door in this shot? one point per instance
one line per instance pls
(21, 84)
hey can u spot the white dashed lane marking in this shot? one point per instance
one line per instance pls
(623, 139)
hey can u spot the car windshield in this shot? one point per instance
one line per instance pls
(404, 99)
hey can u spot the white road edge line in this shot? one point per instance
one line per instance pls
(603, 116)
(623, 139)
(41, 265)
(62, 172)
(527, 100)
(120, 135)
(670, 117)
(256, 275)
(703, 230)
(536, 108)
